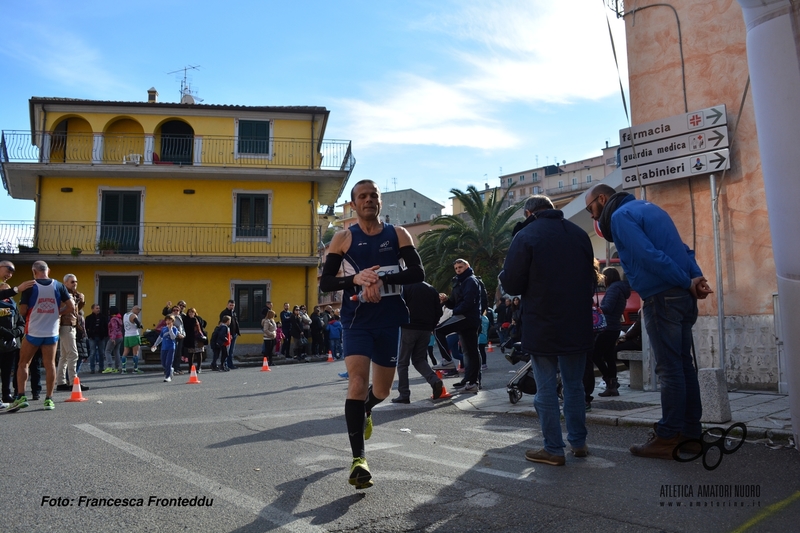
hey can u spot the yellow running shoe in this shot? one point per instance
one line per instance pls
(360, 476)
(368, 427)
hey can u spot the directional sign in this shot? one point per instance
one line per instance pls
(673, 147)
(673, 126)
(673, 169)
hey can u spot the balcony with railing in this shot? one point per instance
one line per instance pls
(162, 240)
(569, 189)
(197, 150)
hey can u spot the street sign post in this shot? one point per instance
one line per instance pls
(677, 147)
(674, 169)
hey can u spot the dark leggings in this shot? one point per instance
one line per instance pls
(604, 355)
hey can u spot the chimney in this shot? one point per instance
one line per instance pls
(152, 95)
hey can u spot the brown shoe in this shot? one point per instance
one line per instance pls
(689, 448)
(656, 447)
(543, 456)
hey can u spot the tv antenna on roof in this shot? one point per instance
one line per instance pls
(188, 96)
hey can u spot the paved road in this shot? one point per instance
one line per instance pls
(268, 452)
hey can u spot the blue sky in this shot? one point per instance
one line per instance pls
(435, 95)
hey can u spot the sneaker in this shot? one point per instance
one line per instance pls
(344, 375)
(470, 387)
(35, 397)
(583, 451)
(115, 371)
(368, 427)
(107, 371)
(543, 456)
(444, 365)
(123, 371)
(452, 373)
(360, 476)
(3, 405)
(484, 367)
(437, 390)
(49, 405)
(458, 384)
(19, 403)
(401, 399)
(137, 371)
(64, 387)
(167, 380)
(83, 387)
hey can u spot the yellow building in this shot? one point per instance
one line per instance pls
(147, 202)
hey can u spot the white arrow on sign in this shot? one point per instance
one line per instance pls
(674, 169)
(673, 147)
(670, 127)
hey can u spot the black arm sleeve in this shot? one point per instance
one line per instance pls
(7, 293)
(414, 273)
(329, 281)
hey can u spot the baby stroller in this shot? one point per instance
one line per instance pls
(523, 381)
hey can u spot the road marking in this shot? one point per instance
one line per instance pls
(766, 513)
(465, 467)
(246, 502)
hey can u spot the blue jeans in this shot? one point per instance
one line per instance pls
(336, 348)
(229, 361)
(669, 317)
(545, 370)
(97, 353)
(167, 355)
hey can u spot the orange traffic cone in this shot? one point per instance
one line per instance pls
(77, 395)
(444, 395)
(265, 367)
(330, 357)
(193, 377)
(489, 348)
(440, 374)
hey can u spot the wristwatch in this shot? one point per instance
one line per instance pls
(382, 276)
(16, 290)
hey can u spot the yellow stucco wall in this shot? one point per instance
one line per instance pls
(716, 71)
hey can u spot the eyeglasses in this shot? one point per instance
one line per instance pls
(589, 206)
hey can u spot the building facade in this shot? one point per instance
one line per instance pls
(149, 202)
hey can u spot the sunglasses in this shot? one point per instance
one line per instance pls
(10, 268)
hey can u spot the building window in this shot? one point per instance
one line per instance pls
(511, 194)
(510, 182)
(254, 138)
(574, 181)
(252, 213)
(589, 178)
(415, 204)
(537, 190)
(522, 191)
(535, 176)
(560, 184)
(250, 300)
(522, 178)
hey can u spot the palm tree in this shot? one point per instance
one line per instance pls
(482, 238)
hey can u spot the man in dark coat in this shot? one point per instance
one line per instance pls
(550, 264)
(465, 301)
(424, 311)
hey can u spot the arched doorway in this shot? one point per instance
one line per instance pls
(177, 142)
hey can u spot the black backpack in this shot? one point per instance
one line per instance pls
(484, 295)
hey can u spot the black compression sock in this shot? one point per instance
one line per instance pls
(372, 401)
(354, 416)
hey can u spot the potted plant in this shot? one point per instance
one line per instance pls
(75, 251)
(107, 246)
(28, 249)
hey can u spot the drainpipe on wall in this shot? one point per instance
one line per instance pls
(773, 56)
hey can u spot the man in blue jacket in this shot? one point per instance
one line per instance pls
(550, 265)
(662, 269)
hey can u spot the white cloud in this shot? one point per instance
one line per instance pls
(507, 52)
(63, 58)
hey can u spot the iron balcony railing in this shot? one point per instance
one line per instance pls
(154, 238)
(206, 150)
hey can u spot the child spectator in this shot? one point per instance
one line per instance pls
(483, 339)
(167, 338)
(114, 343)
(335, 335)
(220, 340)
